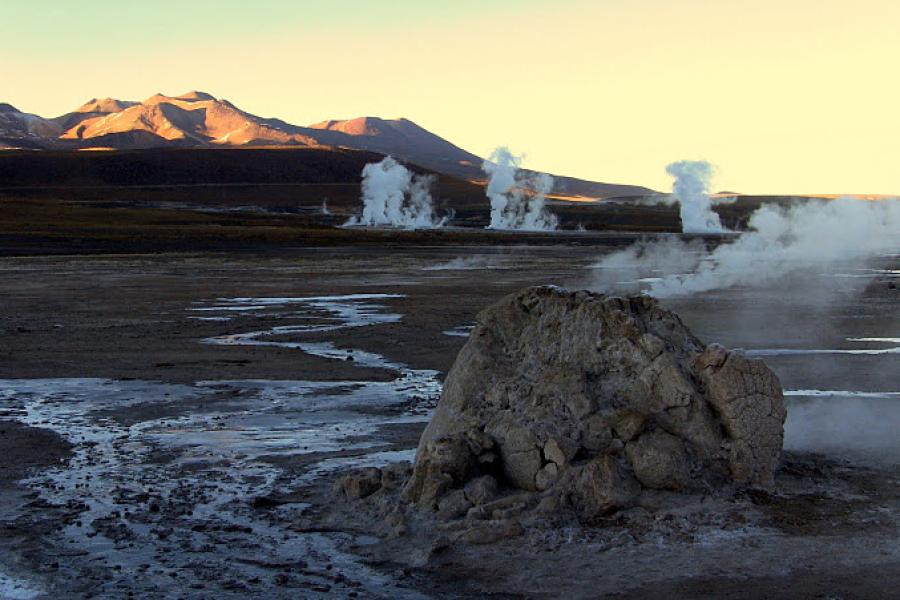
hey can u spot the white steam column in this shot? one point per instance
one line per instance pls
(393, 196)
(691, 189)
(808, 237)
(517, 198)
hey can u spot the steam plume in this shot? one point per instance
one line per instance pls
(691, 189)
(805, 238)
(517, 198)
(394, 196)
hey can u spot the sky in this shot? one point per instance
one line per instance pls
(786, 96)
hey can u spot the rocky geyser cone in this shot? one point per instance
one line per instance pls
(587, 400)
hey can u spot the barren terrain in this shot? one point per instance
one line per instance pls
(168, 444)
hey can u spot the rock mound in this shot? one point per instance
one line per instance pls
(580, 400)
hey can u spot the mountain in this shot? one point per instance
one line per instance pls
(104, 106)
(97, 107)
(406, 140)
(403, 139)
(192, 119)
(23, 130)
(200, 120)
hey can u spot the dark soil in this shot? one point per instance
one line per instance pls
(827, 530)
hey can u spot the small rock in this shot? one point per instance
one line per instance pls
(360, 484)
(453, 506)
(521, 457)
(508, 512)
(491, 533)
(627, 424)
(440, 465)
(546, 476)
(548, 505)
(596, 434)
(603, 486)
(481, 489)
(553, 452)
(394, 475)
(713, 356)
(659, 461)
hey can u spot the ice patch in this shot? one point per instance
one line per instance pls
(840, 394)
(850, 351)
(327, 313)
(867, 273)
(459, 331)
(212, 319)
(17, 589)
(222, 436)
(808, 351)
(220, 443)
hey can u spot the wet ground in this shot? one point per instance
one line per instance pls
(172, 424)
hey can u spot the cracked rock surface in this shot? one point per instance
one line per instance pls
(584, 401)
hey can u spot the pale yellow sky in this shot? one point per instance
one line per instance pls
(790, 96)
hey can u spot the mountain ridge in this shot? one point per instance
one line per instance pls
(199, 119)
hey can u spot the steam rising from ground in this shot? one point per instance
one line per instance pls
(857, 427)
(517, 198)
(467, 263)
(691, 190)
(647, 261)
(395, 197)
(810, 237)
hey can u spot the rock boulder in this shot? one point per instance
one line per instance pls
(585, 400)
